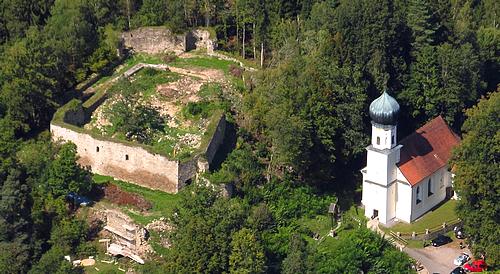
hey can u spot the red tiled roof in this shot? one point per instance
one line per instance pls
(427, 150)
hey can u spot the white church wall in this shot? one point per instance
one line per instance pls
(392, 160)
(377, 163)
(438, 192)
(391, 201)
(374, 197)
(404, 201)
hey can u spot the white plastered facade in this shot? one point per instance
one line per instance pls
(387, 194)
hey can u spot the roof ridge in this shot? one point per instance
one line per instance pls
(426, 150)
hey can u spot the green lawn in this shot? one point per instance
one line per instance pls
(130, 62)
(204, 62)
(432, 219)
(163, 203)
(321, 224)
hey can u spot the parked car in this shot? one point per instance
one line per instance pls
(476, 266)
(458, 270)
(461, 259)
(79, 199)
(441, 240)
(459, 232)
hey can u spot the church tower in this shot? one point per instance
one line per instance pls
(379, 175)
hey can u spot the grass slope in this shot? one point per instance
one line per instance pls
(432, 219)
(163, 203)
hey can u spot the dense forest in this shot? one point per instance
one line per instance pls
(302, 123)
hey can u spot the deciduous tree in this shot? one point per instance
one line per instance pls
(476, 167)
(247, 254)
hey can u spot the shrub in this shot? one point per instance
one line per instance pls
(235, 71)
(169, 58)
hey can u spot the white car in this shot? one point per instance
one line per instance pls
(462, 259)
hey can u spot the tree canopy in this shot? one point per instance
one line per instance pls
(475, 164)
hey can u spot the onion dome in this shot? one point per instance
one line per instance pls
(384, 110)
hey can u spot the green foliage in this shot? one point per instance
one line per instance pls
(152, 13)
(163, 203)
(372, 34)
(71, 31)
(30, 82)
(15, 221)
(296, 259)
(14, 258)
(306, 113)
(310, 111)
(488, 40)
(204, 62)
(210, 91)
(260, 218)
(362, 251)
(444, 81)
(241, 168)
(477, 176)
(18, 15)
(288, 201)
(247, 254)
(204, 228)
(196, 109)
(65, 175)
(421, 23)
(8, 145)
(130, 117)
(68, 234)
(53, 262)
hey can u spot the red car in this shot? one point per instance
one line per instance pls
(476, 266)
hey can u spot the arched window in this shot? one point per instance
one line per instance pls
(378, 140)
(126, 157)
(419, 195)
(97, 149)
(392, 140)
(429, 188)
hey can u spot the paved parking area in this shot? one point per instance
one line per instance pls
(437, 259)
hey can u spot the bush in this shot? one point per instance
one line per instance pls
(236, 71)
(193, 109)
(150, 71)
(86, 249)
(289, 201)
(169, 58)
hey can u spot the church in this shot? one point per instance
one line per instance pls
(403, 180)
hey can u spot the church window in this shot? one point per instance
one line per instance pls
(429, 188)
(392, 140)
(97, 149)
(419, 195)
(378, 140)
(126, 157)
(441, 181)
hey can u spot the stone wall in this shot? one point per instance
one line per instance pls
(124, 231)
(154, 40)
(75, 116)
(132, 163)
(216, 140)
(128, 161)
(124, 162)
(200, 39)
